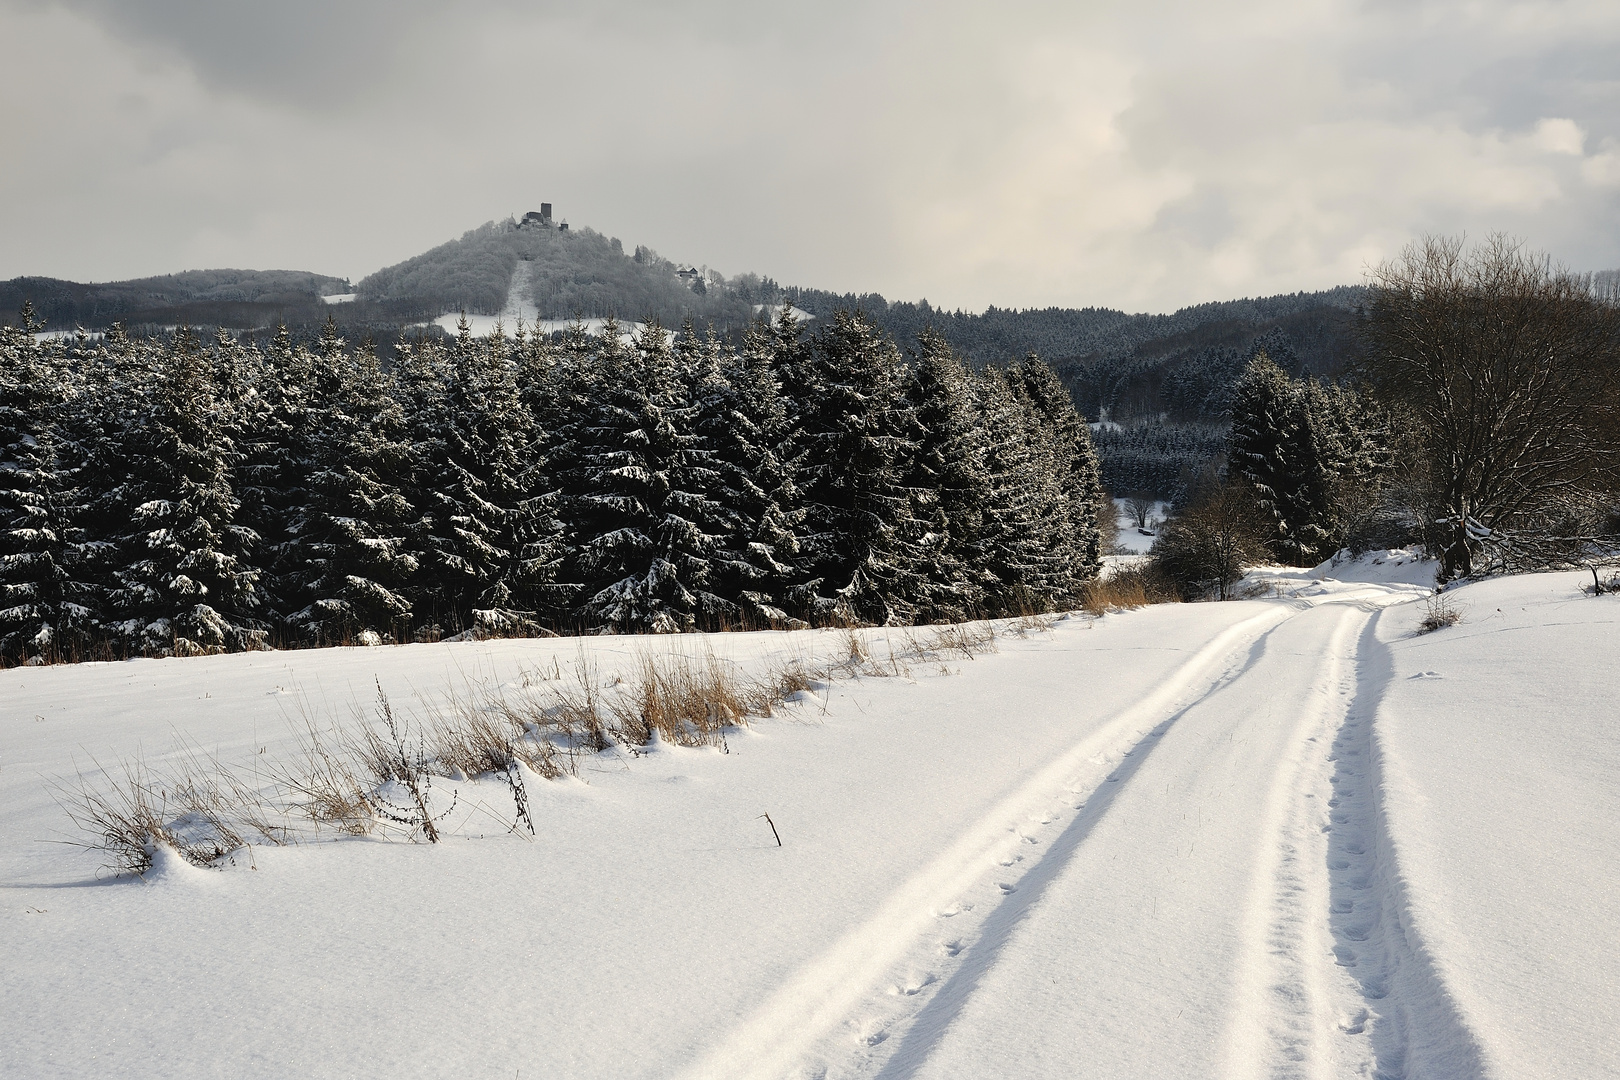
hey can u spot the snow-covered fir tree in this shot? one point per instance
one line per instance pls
(1077, 499)
(182, 585)
(645, 522)
(741, 424)
(352, 560)
(950, 482)
(1024, 558)
(471, 450)
(855, 430)
(47, 598)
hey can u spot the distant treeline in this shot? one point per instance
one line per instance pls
(168, 495)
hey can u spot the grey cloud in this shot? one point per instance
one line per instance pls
(1030, 153)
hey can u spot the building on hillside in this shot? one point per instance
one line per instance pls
(540, 218)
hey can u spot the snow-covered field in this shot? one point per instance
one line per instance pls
(1276, 837)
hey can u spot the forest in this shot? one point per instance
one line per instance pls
(169, 495)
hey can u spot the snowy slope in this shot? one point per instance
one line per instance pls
(1218, 839)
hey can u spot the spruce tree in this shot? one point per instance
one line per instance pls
(1024, 558)
(950, 482)
(183, 586)
(354, 560)
(856, 432)
(646, 521)
(47, 603)
(471, 448)
(741, 424)
(1078, 500)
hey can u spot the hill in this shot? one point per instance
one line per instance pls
(567, 272)
(233, 298)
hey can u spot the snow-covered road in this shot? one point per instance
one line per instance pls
(1278, 837)
(1175, 922)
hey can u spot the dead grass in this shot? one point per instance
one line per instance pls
(1126, 588)
(375, 772)
(195, 804)
(1438, 613)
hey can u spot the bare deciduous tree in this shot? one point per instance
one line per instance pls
(1507, 366)
(1139, 504)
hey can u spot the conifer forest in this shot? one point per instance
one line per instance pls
(169, 495)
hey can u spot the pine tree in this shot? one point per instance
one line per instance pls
(471, 448)
(1024, 557)
(271, 414)
(645, 519)
(1078, 499)
(741, 423)
(47, 605)
(1303, 446)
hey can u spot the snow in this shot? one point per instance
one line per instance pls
(798, 313)
(484, 325)
(520, 310)
(1278, 836)
(1133, 539)
(340, 298)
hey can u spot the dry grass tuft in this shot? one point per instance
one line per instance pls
(197, 806)
(376, 773)
(325, 785)
(685, 701)
(966, 640)
(1438, 613)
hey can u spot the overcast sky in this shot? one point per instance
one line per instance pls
(1142, 156)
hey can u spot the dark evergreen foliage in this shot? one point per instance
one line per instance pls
(167, 495)
(1304, 447)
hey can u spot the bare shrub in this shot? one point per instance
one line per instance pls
(391, 761)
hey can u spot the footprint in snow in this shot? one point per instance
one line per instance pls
(1356, 1024)
(1428, 675)
(1006, 887)
(914, 986)
(951, 948)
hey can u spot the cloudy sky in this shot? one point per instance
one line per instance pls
(1142, 156)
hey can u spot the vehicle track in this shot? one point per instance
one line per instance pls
(784, 1036)
(1221, 902)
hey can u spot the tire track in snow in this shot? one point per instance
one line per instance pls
(1411, 1022)
(778, 1036)
(1283, 1019)
(1241, 979)
(934, 1018)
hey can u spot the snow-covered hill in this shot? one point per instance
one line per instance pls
(1281, 836)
